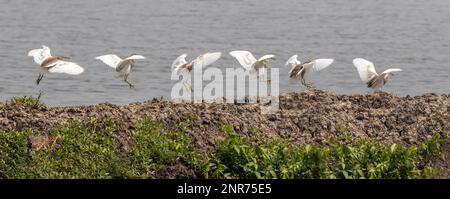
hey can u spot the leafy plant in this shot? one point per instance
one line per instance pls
(28, 101)
(236, 158)
(14, 157)
(153, 145)
(84, 152)
(92, 149)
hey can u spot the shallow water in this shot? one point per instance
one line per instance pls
(412, 35)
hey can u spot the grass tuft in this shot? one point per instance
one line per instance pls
(28, 101)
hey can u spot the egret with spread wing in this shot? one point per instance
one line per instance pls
(367, 73)
(53, 64)
(249, 62)
(181, 67)
(122, 66)
(298, 69)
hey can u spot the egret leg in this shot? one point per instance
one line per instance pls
(185, 85)
(188, 87)
(306, 84)
(262, 78)
(126, 80)
(378, 90)
(266, 77)
(38, 80)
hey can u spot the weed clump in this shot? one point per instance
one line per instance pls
(28, 101)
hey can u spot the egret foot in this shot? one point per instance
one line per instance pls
(129, 84)
(126, 81)
(38, 80)
(188, 87)
(307, 85)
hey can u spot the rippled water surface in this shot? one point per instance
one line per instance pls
(413, 35)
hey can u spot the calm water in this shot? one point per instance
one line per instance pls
(413, 35)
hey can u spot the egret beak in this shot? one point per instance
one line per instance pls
(63, 58)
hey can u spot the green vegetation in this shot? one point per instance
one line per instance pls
(155, 148)
(236, 158)
(94, 149)
(28, 101)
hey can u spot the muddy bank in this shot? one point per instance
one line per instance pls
(307, 117)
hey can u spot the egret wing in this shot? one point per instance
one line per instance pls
(207, 59)
(266, 57)
(66, 67)
(365, 68)
(135, 57)
(39, 55)
(178, 62)
(293, 61)
(320, 64)
(110, 60)
(245, 58)
(392, 70)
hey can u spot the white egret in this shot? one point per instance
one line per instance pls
(53, 64)
(249, 62)
(367, 73)
(181, 66)
(122, 66)
(298, 69)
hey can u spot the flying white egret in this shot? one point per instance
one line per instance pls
(181, 66)
(298, 69)
(53, 64)
(249, 62)
(367, 73)
(122, 66)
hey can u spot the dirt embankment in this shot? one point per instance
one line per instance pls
(308, 117)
